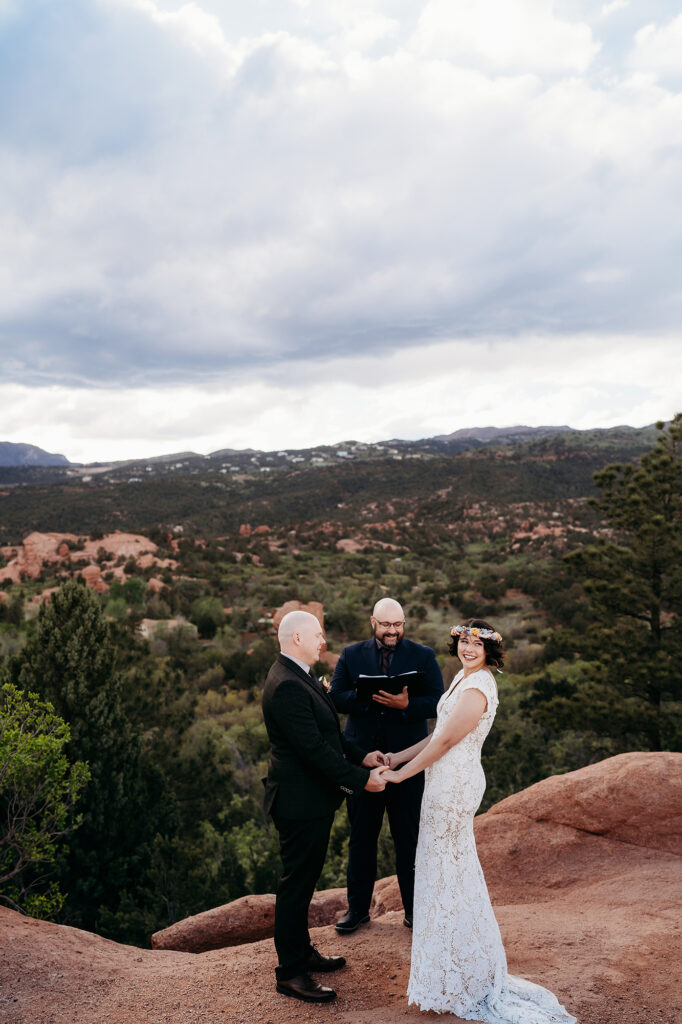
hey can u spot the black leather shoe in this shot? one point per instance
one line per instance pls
(407, 920)
(350, 921)
(306, 988)
(317, 962)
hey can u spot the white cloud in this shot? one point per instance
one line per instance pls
(613, 7)
(417, 392)
(658, 49)
(505, 36)
(193, 192)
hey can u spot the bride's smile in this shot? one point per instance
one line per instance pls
(471, 652)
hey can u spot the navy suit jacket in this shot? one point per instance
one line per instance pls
(312, 765)
(369, 724)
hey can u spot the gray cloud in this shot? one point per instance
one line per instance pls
(191, 191)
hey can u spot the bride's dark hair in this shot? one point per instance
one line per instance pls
(494, 650)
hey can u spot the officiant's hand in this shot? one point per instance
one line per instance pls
(374, 759)
(392, 700)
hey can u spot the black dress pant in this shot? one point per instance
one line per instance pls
(366, 813)
(303, 848)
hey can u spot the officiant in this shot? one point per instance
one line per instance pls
(389, 687)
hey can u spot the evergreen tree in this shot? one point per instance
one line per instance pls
(70, 661)
(632, 578)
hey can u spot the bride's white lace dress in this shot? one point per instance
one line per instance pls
(458, 960)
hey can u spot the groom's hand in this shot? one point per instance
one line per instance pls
(374, 759)
(392, 700)
(375, 782)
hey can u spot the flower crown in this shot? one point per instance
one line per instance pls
(479, 631)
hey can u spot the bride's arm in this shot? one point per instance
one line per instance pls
(463, 720)
(408, 753)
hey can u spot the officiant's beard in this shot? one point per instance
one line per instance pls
(390, 646)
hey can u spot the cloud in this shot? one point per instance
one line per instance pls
(517, 36)
(193, 194)
(658, 49)
(417, 391)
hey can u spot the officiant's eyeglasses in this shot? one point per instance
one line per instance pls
(396, 625)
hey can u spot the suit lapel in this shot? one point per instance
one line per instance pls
(318, 690)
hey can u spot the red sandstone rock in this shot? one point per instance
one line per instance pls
(155, 585)
(634, 798)
(386, 897)
(349, 545)
(330, 659)
(245, 920)
(259, 530)
(251, 916)
(39, 549)
(314, 607)
(326, 907)
(92, 577)
(594, 918)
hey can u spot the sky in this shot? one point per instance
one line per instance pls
(281, 223)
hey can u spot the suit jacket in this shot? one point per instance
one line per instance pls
(312, 765)
(369, 723)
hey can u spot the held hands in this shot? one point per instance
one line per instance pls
(374, 759)
(393, 760)
(399, 701)
(375, 783)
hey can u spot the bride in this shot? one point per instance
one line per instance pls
(458, 960)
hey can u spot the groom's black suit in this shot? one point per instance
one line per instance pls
(312, 766)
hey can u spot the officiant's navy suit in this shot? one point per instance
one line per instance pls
(374, 727)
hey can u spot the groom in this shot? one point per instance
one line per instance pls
(312, 767)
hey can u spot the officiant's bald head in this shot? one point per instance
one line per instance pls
(388, 622)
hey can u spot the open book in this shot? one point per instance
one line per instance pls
(367, 685)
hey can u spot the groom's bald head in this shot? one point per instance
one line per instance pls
(301, 636)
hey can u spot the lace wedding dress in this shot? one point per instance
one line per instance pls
(458, 960)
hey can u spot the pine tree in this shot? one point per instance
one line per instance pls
(70, 661)
(632, 577)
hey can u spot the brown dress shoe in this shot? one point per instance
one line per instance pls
(306, 988)
(317, 962)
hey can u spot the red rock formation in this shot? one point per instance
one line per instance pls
(92, 577)
(314, 607)
(594, 915)
(245, 920)
(40, 549)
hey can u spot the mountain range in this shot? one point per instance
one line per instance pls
(16, 455)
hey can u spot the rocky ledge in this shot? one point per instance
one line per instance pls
(583, 869)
